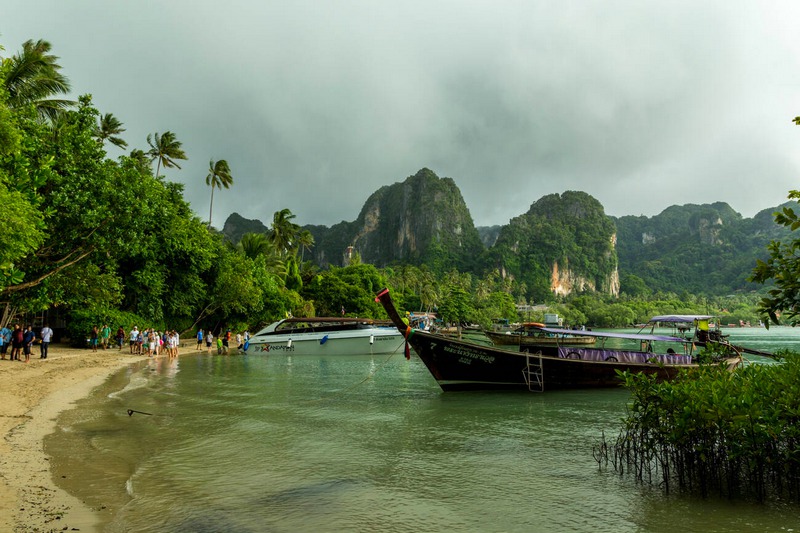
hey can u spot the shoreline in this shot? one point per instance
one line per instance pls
(33, 395)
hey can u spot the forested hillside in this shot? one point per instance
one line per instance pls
(565, 244)
(705, 249)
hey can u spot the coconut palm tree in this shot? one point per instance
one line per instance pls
(107, 129)
(166, 149)
(32, 77)
(219, 176)
(305, 240)
(283, 232)
(253, 245)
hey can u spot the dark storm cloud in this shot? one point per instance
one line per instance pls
(317, 104)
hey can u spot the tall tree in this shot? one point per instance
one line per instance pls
(283, 232)
(219, 176)
(165, 149)
(108, 129)
(783, 270)
(32, 77)
(306, 241)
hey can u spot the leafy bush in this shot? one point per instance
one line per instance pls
(713, 431)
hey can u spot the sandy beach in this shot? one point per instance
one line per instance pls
(33, 394)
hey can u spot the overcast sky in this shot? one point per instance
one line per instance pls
(316, 104)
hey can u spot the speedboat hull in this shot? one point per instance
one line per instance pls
(362, 341)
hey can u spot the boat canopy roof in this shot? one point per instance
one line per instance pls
(680, 318)
(286, 324)
(613, 335)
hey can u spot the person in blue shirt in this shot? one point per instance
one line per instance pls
(27, 342)
(5, 340)
(199, 339)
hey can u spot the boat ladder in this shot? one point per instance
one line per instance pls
(533, 373)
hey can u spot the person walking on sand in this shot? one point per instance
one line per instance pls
(3, 345)
(199, 339)
(46, 334)
(93, 338)
(120, 337)
(133, 338)
(105, 334)
(5, 335)
(27, 342)
(16, 342)
(152, 343)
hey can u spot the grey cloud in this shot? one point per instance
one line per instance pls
(317, 104)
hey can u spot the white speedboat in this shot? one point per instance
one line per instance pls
(327, 336)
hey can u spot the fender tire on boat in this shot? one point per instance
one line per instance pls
(611, 358)
(573, 355)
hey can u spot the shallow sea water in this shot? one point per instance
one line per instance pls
(265, 443)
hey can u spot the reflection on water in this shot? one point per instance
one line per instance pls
(272, 443)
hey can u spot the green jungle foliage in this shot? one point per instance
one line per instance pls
(715, 432)
(783, 268)
(706, 249)
(569, 230)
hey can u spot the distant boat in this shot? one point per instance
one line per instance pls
(705, 330)
(462, 365)
(327, 336)
(531, 334)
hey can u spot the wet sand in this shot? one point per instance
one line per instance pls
(31, 397)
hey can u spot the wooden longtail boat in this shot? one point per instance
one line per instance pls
(531, 335)
(462, 365)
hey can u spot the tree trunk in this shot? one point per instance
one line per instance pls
(211, 207)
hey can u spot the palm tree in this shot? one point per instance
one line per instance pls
(108, 128)
(219, 175)
(141, 160)
(166, 149)
(283, 232)
(306, 241)
(253, 245)
(32, 77)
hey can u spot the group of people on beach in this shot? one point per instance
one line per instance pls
(223, 341)
(150, 342)
(21, 341)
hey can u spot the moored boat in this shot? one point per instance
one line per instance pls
(462, 365)
(327, 336)
(531, 334)
(701, 330)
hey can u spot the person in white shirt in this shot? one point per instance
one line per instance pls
(46, 334)
(134, 337)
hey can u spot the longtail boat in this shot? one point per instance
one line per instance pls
(462, 365)
(532, 335)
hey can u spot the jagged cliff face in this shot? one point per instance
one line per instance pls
(564, 282)
(422, 220)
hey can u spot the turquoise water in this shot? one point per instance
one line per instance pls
(288, 444)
